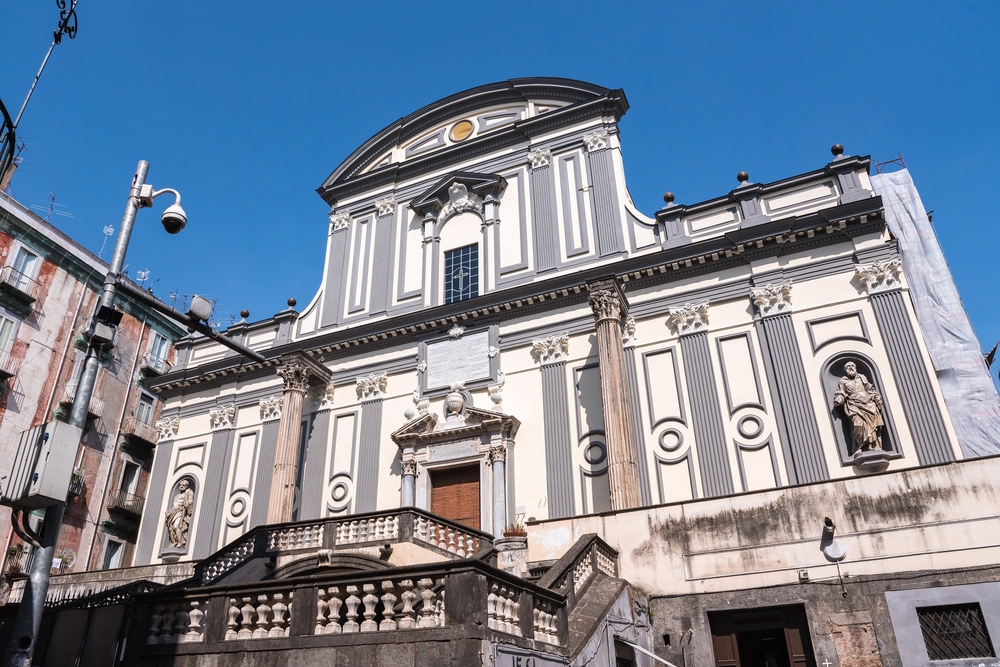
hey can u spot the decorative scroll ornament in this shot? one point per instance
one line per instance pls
(408, 467)
(689, 318)
(166, 429)
(295, 376)
(386, 206)
(552, 349)
(326, 400)
(223, 417)
(628, 332)
(422, 405)
(456, 331)
(492, 351)
(495, 391)
(459, 199)
(606, 305)
(270, 409)
(540, 158)
(880, 276)
(339, 221)
(773, 299)
(597, 141)
(372, 387)
(497, 454)
(422, 366)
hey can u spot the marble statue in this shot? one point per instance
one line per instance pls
(178, 517)
(862, 403)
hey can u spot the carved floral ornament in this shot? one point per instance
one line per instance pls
(689, 318)
(295, 376)
(605, 304)
(339, 221)
(773, 299)
(372, 387)
(166, 429)
(628, 332)
(880, 276)
(222, 417)
(456, 331)
(459, 199)
(270, 409)
(408, 467)
(552, 349)
(540, 158)
(386, 206)
(497, 454)
(597, 141)
(326, 399)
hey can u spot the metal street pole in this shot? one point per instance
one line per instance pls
(36, 587)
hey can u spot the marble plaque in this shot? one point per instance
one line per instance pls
(461, 359)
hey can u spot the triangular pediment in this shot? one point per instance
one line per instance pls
(444, 191)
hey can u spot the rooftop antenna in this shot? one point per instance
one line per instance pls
(142, 276)
(51, 208)
(108, 231)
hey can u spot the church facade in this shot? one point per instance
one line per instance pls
(675, 400)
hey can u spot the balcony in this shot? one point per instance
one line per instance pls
(76, 482)
(18, 284)
(136, 430)
(9, 366)
(125, 503)
(19, 559)
(153, 365)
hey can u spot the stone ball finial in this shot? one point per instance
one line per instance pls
(244, 313)
(668, 198)
(742, 177)
(291, 302)
(837, 150)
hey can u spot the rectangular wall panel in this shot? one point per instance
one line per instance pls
(574, 208)
(368, 458)
(709, 432)
(333, 290)
(544, 218)
(605, 199)
(314, 468)
(558, 441)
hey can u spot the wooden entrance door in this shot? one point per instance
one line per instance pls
(455, 494)
(770, 637)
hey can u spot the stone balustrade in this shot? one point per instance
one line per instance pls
(308, 536)
(264, 616)
(544, 622)
(178, 622)
(503, 608)
(371, 529)
(606, 560)
(582, 572)
(388, 606)
(447, 536)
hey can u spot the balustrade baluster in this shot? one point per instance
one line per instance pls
(442, 537)
(451, 540)
(427, 595)
(263, 616)
(388, 602)
(439, 616)
(167, 625)
(354, 532)
(379, 528)
(516, 621)
(194, 626)
(334, 627)
(279, 608)
(491, 608)
(370, 600)
(154, 624)
(407, 622)
(180, 623)
(232, 623)
(246, 631)
(322, 608)
(352, 610)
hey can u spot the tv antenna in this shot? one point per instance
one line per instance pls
(51, 208)
(108, 231)
(142, 277)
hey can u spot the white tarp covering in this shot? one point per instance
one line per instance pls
(954, 349)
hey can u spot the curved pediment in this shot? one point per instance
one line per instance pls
(464, 119)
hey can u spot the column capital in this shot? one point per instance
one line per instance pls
(408, 467)
(223, 417)
(773, 299)
(881, 275)
(497, 454)
(607, 299)
(372, 387)
(166, 429)
(541, 157)
(689, 318)
(270, 408)
(296, 370)
(551, 349)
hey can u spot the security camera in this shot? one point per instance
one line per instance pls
(174, 219)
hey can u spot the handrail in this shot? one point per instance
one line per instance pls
(20, 282)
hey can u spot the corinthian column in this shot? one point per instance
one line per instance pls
(295, 372)
(610, 306)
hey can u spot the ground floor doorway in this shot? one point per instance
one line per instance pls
(770, 637)
(455, 494)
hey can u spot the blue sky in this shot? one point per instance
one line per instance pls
(246, 107)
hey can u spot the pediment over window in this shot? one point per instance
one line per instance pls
(458, 191)
(428, 429)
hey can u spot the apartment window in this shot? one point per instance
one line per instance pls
(144, 408)
(130, 478)
(25, 262)
(159, 347)
(461, 274)
(113, 550)
(955, 632)
(6, 333)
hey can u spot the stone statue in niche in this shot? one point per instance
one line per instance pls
(178, 517)
(862, 404)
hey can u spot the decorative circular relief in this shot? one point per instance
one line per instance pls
(750, 426)
(462, 130)
(340, 491)
(238, 507)
(671, 440)
(595, 454)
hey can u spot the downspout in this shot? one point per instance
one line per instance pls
(118, 431)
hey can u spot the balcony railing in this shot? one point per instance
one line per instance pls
(96, 408)
(76, 483)
(9, 365)
(19, 283)
(136, 429)
(19, 561)
(154, 365)
(126, 502)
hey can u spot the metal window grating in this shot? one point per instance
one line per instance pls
(956, 631)
(461, 274)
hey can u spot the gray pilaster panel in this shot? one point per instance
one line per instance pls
(213, 494)
(558, 440)
(794, 412)
(311, 499)
(368, 457)
(544, 219)
(930, 437)
(605, 199)
(333, 291)
(154, 499)
(383, 268)
(709, 432)
(640, 439)
(265, 472)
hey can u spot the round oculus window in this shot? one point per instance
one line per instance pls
(462, 130)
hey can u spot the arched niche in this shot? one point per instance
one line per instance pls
(176, 518)
(832, 372)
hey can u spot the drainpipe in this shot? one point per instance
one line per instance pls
(118, 431)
